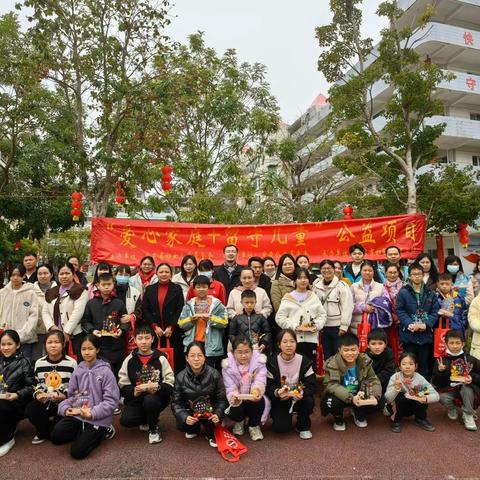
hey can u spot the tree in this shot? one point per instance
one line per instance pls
(97, 57)
(402, 140)
(209, 115)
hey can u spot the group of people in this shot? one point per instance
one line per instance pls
(234, 345)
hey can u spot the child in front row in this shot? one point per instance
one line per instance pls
(16, 380)
(93, 395)
(457, 377)
(250, 324)
(204, 320)
(347, 374)
(411, 394)
(383, 359)
(52, 374)
(146, 382)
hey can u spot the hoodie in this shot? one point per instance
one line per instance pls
(19, 311)
(96, 385)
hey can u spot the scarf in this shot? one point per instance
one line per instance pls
(146, 277)
(393, 288)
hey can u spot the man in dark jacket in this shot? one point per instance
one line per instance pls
(102, 318)
(30, 264)
(229, 272)
(261, 280)
(75, 262)
(417, 309)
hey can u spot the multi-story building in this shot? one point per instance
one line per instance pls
(451, 40)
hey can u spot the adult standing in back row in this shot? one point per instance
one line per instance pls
(229, 273)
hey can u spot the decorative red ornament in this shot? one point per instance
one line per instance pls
(120, 193)
(75, 212)
(77, 196)
(166, 186)
(167, 169)
(347, 212)
(17, 245)
(463, 236)
(120, 200)
(167, 178)
(76, 206)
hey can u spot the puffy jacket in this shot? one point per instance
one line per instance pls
(72, 306)
(19, 311)
(130, 374)
(254, 327)
(136, 282)
(189, 387)
(18, 374)
(216, 323)
(383, 365)
(257, 371)
(306, 376)
(335, 370)
(441, 379)
(337, 301)
(474, 322)
(130, 296)
(459, 319)
(262, 305)
(41, 302)
(407, 306)
(179, 280)
(292, 312)
(280, 287)
(98, 386)
(362, 294)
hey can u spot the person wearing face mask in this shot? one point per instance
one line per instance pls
(217, 290)
(126, 292)
(453, 265)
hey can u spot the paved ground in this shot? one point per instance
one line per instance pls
(372, 453)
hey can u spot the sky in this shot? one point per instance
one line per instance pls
(278, 33)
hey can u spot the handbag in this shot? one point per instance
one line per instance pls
(439, 345)
(229, 447)
(130, 344)
(363, 330)
(168, 352)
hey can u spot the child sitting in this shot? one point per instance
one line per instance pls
(146, 382)
(102, 318)
(411, 394)
(383, 360)
(452, 304)
(204, 318)
(250, 324)
(465, 387)
(347, 374)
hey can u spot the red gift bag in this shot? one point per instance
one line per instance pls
(319, 366)
(168, 352)
(130, 344)
(439, 346)
(363, 330)
(229, 447)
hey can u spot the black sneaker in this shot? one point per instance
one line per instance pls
(425, 425)
(396, 427)
(110, 433)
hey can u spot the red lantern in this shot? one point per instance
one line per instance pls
(347, 212)
(166, 186)
(167, 178)
(120, 193)
(120, 200)
(462, 230)
(167, 170)
(76, 206)
(17, 245)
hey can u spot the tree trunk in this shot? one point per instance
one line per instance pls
(411, 186)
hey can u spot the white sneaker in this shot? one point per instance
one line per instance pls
(255, 433)
(452, 413)
(191, 435)
(6, 447)
(239, 428)
(339, 424)
(144, 428)
(469, 422)
(37, 440)
(358, 422)
(306, 435)
(154, 436)
(117, 411)
(212, 443)
(110, 433)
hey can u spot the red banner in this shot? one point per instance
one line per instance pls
(119, 241)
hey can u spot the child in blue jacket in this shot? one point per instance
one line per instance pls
(452, 303)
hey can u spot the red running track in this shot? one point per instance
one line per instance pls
(371, 453)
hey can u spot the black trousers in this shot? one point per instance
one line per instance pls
(309, 350)
(282, 418)
(85, 437)
(330, 341)
(76, 345)
(406, 408)
(247, 409)
(43, 416)
(144, 410)
(423, 354)
(208, 428)
(335, 406)
(10, 414)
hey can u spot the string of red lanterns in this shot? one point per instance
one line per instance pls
(76, 205)
(463, 234)
(167, 178)
(119, 193)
